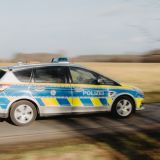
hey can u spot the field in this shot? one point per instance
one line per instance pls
(133, 146)
(146, 76)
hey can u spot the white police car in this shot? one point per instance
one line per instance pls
(48, 89)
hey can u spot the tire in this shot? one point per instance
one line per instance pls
(123, 107)
(23, 113)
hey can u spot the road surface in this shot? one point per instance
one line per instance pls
(78, 125)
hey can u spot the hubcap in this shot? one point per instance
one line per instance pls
(23, 113)
(124, 107)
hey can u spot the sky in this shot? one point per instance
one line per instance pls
(79, 26)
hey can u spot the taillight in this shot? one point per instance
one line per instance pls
(3, 87)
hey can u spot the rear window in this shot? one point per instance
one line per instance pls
(2, 73)
(24, 75)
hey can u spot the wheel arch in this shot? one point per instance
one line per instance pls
(26, 99)
(124, 95)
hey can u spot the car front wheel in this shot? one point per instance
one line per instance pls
(123, 107)
(23, 113)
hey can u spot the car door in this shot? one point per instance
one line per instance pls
(52, 90)
(87, 94)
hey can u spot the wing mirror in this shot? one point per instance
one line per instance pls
(100, 81)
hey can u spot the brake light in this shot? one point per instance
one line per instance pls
(3, 87)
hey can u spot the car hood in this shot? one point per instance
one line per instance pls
(129, 86)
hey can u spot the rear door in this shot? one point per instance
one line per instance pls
(88, 95)
(51, 89)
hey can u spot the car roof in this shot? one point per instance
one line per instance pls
(27, 66)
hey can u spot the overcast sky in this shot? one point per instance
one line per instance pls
(79, 26)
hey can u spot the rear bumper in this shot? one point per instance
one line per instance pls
(3, 115)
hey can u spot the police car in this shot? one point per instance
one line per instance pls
(28, 91)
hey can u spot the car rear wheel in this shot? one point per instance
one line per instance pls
(123, 107)
(23, 113)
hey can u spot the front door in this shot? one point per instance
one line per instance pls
(52, 90)
(88, 95)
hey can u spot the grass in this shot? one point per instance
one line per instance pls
(68, 152)
(68, 149)
(118, 146)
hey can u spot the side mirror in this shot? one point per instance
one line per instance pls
(100, 81)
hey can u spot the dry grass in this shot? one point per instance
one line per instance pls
(118, 146)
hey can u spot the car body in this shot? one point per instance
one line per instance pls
(51, 89)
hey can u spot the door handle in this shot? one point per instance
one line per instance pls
(39, 89)
(78, 89)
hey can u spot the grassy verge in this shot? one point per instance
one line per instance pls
(143, 145)
(68, 149)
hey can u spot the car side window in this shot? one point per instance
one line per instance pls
(106, 81)
(23, 75)
(53, 74)
(82, 76)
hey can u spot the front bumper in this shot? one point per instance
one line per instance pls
(140, 108)
(139, 103)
